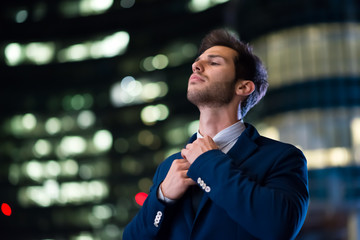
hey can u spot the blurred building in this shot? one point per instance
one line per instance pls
(93, 98)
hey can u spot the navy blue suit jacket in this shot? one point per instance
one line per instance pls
(258, 190)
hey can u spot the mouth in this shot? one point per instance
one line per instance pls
(195, 78)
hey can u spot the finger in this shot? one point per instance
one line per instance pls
(183, 153)
(180, 164)
(188, 146)
(185, 165)
(183, 174)
(208, 139)
(179, 161)
(189, 182)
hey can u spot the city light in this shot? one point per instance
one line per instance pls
(153, 113)
(34, 170)
(86, 119)
(355, 135)
(82, 8)
(6, 209)
(42, 147)
(330, 157)
(177, 135)
(69, 168)
(29, 121)
(176, 54)
(41, 53)
(140, 198)
(202, 5)
(130, 91)
(102, 211)
(55, 193)
(271, 132)
(72, 145)
(127, 3)
(310, 57)
(103, 140)
(90, 7)
(53, 125)
(21, 16)
(40, 171)
(160, 61)
(193, 127)
(13, 54)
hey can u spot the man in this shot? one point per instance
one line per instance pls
(228, 182)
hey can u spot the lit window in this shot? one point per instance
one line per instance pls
(34, 170)
(160, 61)
(86, 119)
(153, 113)
(310, 52)
(69, 167)
(130, 91)
(42, 148)
(89, 7)
(21, 16)
(127, 3)
(52, 169)
(102, 211)
(177, 135)
(29, 121)
(193, 127)
(53, 125)
(72, 145)
(103, 140)
(14, 54)
(151, 91)
(202, 5)
(40, 53)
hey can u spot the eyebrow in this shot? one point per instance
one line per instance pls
(211, 56)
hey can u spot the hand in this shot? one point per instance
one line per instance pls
(176, 181)
(198, 147)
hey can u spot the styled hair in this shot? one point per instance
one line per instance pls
(248, 66)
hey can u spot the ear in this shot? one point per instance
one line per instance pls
(244, 87)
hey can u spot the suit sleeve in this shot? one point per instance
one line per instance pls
(146, 224)
(272, 209)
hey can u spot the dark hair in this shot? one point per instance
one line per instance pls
(248, 66)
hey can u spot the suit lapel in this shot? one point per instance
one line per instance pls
(243, 148)
(245, 145)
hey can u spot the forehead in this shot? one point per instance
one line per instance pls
(225, 52)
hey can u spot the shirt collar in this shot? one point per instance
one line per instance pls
(227, 135)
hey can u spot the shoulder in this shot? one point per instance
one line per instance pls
(268, 143)
(273, 150)
(281, 146)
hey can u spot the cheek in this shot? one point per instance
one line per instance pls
(222, 75)
(228, 77)
(228, 73)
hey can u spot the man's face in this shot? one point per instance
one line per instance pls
(212, 82)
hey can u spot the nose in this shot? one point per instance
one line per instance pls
(197, 67)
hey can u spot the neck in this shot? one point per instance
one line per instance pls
(213, 120)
